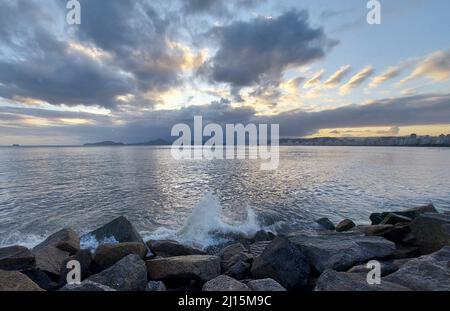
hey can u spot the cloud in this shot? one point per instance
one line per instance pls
(435, 67)
(390, 73)
(356, 80)
(314, 80)
(336, 78)
(262, 48)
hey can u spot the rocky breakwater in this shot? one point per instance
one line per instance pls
(412, 246)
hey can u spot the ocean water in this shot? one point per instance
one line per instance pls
(44, 189)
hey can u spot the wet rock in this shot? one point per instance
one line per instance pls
(263, 235)
(192, 267)
(155, 286)
(426, 273)
(41, 279)
(257, 248)
(229, 251)
(373, 230)
(284, 262)
(326, 223)
(405, 252)
(66, 240)
(120, 229)
(341, 251)
(128, 274)
(412, 213)
(50, 259)
(387, 267)
(332, 280)
(394, 218)
(87, 286)
(84, 257)
(238, 267)
(432, 231)
(395, 233)
(168, 248)
(16, 258)
(224, 283)
(265, 285)
(16, 281)
(345, 225)
(108, 254)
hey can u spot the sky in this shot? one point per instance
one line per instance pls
(134, 68)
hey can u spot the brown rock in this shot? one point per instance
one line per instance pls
(345, 225)
(224, 283)
(16, 281)
(16, 258)
(50, 259)
(108, 254)
(168, 248)
(66, 240)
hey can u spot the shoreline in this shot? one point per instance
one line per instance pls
(408, 245)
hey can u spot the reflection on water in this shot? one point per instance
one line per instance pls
(45, 189)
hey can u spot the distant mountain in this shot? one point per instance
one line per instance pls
(104, 143)
(156, 142)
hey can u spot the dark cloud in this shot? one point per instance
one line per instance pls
(402, 111)
(264, 47)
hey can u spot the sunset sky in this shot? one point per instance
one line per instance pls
(132, 69)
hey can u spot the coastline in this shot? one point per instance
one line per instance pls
(411, 246)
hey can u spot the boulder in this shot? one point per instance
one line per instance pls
(265, 285)
(326, 223)
(192, 267)
(412, 213)
(238, 267)
(16, 258)
(340, 251)
(84, 257)
(394, 233)
(128, 274)
(332, 280)
(387, 267)
(16, 281)
(426, 273)
(263, 235)
(41, 279)
(432, 231)
(87, 286)
(229, 251)
(345, 225)
(284, 262)
(168, 248)
(66, 240)
(257, 248)
(119, 230)
(394, 218)
(155, 286)
(402, 252)
(108, 254)
(224, 283)
(50, 259)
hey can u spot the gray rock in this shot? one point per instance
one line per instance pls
(432, 231)
(238, 270)
(332, 280)
(41, 279)
(128, 274)
(235, 260)
(326, 223)
(231, 250)
(412, 213)
(257, 248)
(387, 268)
(192, 267)
(340, 251)
(108, 254)
(263, 235)
(426, 273)
(224, 283)
(16, 258)
(265, 285)
(87, 286)
(84, 257)
(284, 262)
(394, 233)
(155, 286)
(120, 229)
(345, 225)
(66, 240)
(394, 218)
(16, 281)
(50, 259)
(168, 248)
